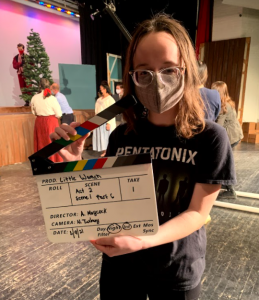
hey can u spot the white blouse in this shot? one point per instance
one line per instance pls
(101, 104)
(45, 107)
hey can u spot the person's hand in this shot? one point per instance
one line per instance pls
(74, 150)
(118, 245)
(108, 127)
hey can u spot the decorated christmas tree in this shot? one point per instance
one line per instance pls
(36, 66)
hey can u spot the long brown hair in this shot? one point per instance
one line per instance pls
(222, 88)
(190, 118)
(203, 72)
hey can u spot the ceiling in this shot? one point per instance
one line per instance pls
(67, 5)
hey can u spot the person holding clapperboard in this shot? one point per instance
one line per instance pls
(191, 159)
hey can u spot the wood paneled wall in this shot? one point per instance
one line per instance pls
(83, 115)
(14, 109)
(224, 60)
(16, 135)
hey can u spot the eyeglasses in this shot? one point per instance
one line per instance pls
(143, 78)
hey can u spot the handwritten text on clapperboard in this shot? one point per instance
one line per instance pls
(98, 203)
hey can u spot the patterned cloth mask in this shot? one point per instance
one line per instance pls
(159, 96)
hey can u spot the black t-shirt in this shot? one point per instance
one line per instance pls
(178, 164)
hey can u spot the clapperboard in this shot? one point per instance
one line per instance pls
(90, 199)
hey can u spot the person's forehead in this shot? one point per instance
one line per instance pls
(159, 46)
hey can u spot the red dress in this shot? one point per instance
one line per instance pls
(47, 110)
(44, 126)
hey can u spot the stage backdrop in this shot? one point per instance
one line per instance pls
(60, 36)
(78, 84)
(114, 70)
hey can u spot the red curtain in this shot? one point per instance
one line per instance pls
(204, 28)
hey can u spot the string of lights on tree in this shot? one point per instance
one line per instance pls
(71, 13)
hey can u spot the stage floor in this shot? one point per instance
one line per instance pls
(31, 268)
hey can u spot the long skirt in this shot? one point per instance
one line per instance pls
(100, 138)
(44, 126)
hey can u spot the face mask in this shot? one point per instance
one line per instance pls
(21, 51)
(118, 91)
(160, 97)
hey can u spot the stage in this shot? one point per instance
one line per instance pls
(16, 135)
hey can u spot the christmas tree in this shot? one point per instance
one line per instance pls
(36, 66)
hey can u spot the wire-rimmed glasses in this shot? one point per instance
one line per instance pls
(143, 78)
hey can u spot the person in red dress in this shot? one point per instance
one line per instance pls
(47, 109)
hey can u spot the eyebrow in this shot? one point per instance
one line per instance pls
(140, 65)
(165, 63)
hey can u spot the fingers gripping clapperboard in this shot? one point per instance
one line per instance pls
(89, 199)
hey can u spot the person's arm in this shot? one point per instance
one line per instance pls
(111, 101)
(192, 219)
(217, 111)
(56, 107)
(58, 99)
(97, 106)
(221, 119)
(16, 64)
(33, 109)
(73, 151)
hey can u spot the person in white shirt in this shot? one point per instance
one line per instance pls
(47, 111)
(119, 94)
(120, 90)
(102, 133)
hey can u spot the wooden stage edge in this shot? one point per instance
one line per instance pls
(16, 135)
